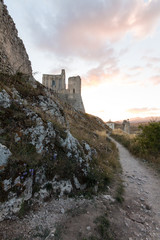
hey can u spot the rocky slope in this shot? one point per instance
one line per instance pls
(47, 148)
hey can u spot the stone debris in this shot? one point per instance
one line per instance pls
(109, 197)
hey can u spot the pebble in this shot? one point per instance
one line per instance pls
(88, 228)
(142, 199)
(108, 197)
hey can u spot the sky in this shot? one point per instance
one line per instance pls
(112, 44)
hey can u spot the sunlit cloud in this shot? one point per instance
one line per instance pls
(151, 60)
(84, 28)
(102, 73)
(155, 79)
(144, 110)
(136, 69)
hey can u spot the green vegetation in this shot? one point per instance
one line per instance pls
(145, 145)
(20, 237)
(58, 232)
(40, 232)
(120, 191)
(103, 226)
(103, 230)
(149, 139)
(25, 207)
(22, 84)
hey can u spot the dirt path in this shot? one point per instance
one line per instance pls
(142, 198)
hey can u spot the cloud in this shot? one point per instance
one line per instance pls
(136, 69)
(151, 60)
(106, 71)
(155, 79)
(84, 28)
(123, 51)
(144, 110)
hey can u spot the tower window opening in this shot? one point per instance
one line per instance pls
(73, 90)
(53, 83)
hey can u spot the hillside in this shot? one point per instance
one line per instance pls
(47, 148)
(50, 153)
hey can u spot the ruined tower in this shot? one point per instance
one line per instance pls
(72, 95)
(55, 82)
(126, 126)
(74, 85)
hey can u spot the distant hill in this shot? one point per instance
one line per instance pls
(141, 120)
(146, 119)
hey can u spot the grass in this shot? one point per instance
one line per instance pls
(20, 237)
(103, 226)
(40, 232)
(22, 84)
(58, 232)
(103, 230)
(120, 192)
(25, 207)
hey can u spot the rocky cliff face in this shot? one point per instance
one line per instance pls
(13, 56)
(47, 148)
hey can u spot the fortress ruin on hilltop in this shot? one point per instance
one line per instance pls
(72, 94)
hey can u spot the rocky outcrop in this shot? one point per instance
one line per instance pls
(13, 56)
(47, 147)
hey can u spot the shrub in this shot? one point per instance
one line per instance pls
(149, 139)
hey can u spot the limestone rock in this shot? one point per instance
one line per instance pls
(28, 189)
(4, 153)
(7, 184)
(13, 56)
(5, 100)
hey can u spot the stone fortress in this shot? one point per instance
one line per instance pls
(72, 94)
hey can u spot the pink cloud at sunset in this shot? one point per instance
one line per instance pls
(144, 110)
(91, 24)
(155, 79)
(112, 44)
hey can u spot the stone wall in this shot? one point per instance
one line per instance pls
(55, 82)
(13, 56)
(75, 100)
